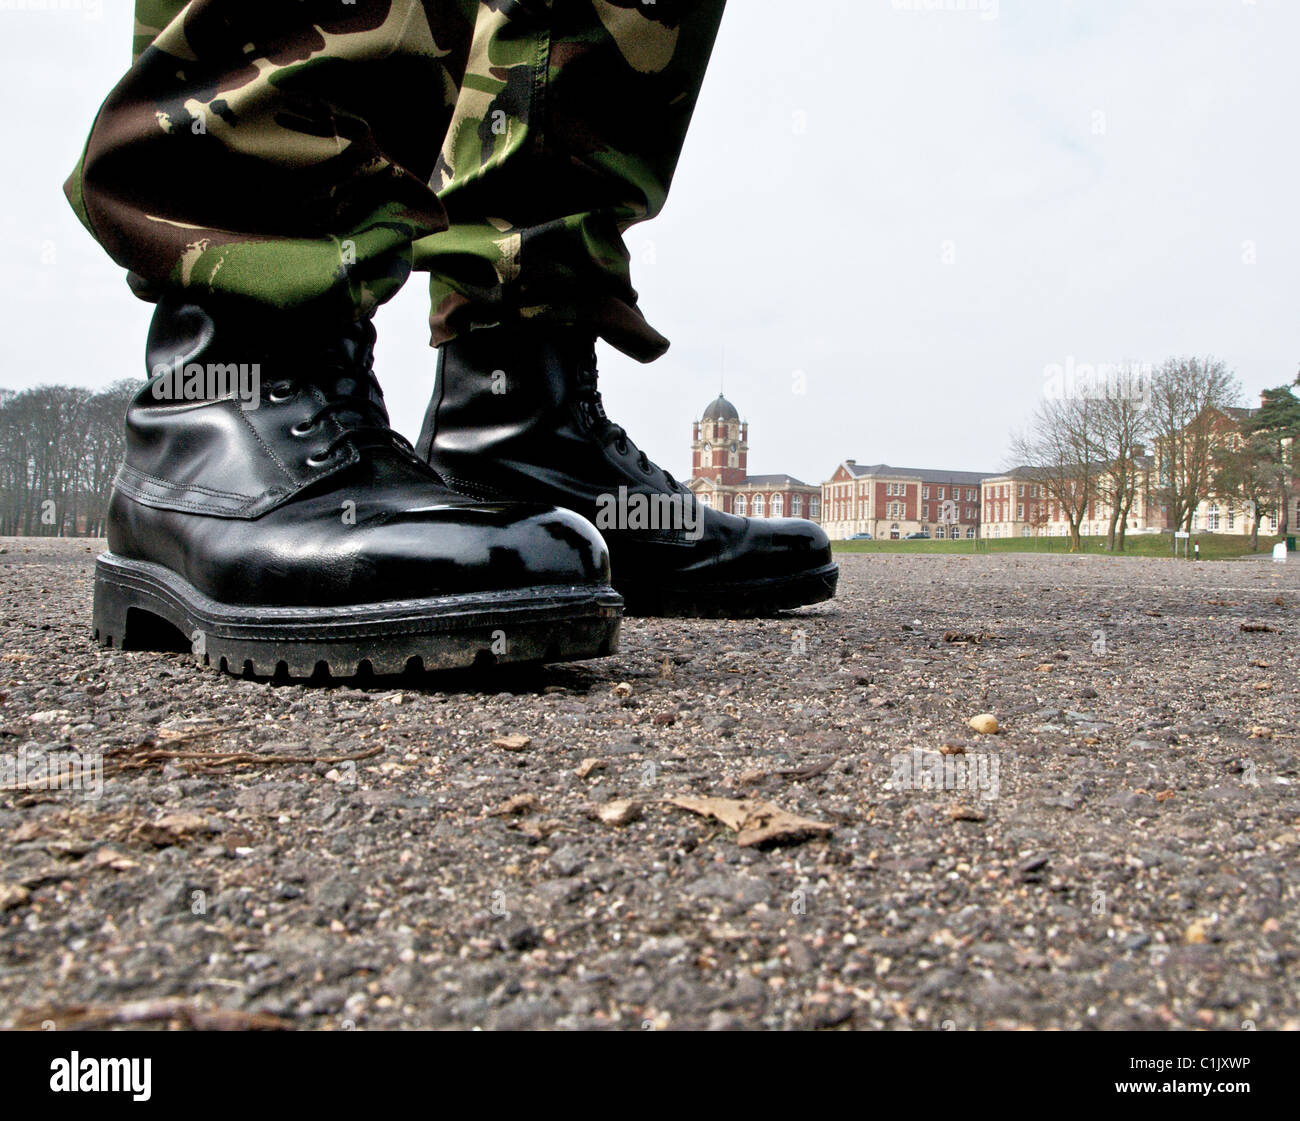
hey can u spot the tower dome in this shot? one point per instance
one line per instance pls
(721, 409)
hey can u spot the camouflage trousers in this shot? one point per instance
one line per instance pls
(306, 155)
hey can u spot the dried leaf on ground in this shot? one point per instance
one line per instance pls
(112, 858)
(515, 807)
(172, 829)
(959, 812)
(755, 823)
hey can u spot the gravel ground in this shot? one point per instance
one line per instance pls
(1120, 854)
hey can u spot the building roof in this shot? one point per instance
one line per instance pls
(721, 409)
(929, 474)
(1026, 472)
(773, 480)
(1140, 459)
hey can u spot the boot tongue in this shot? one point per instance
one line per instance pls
(591, 404)
(342, 374)
(360, 401)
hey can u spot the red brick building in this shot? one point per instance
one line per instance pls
(892, 502)
(720, 471)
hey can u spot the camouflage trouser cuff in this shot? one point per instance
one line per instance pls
(313, 155)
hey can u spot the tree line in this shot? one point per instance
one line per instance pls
(1176, 431)
(60, 446)
(1177, 434)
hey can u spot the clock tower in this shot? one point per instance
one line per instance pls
(720, 444)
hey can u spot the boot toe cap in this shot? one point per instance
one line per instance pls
(786, 546)
(416, 552)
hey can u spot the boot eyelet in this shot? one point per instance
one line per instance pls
(320, 461)
(282, 391)
(300, 429)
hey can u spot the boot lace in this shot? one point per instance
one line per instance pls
(592, 408)
(353, 399)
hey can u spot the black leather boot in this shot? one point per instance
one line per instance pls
(291, 531)
(516, 414)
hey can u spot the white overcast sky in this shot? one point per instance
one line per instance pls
(915, 210)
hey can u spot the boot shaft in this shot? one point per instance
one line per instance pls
(517, 413)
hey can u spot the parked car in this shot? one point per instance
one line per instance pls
(917, 537)
(862, 537)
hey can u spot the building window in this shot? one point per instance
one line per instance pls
(758, 505)
(1020, 511)
(1212, 518)
(925, 513)
(893, 532)
(740, 505)
(796, 505)
(1024, 531)
(706, 457)
(706, 500)
(970, 531)
(925, 492)
(814, 508)
(778, 505)
(940, 494)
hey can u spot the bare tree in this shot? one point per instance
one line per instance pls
(1120, 426)
(103, 450)
(60, 447)
(1188, 424)
(1059, 452)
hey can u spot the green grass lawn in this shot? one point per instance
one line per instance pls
(1214, 546)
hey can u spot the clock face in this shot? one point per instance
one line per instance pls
(733, 448)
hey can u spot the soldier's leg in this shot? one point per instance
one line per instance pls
(567, 130)
(275, 152)
(262, 170)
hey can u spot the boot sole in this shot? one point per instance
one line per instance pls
(143, 606)
(741, 600)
